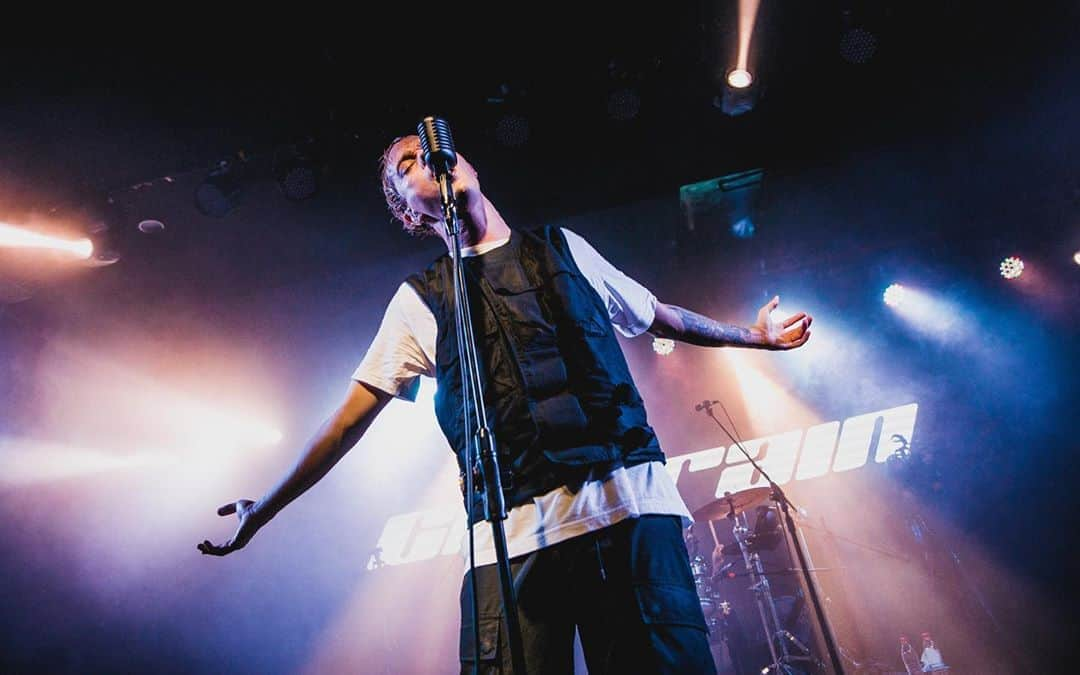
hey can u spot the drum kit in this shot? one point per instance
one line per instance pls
(714, 579)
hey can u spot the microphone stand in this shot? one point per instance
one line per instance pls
(781, 499)
(478, 433)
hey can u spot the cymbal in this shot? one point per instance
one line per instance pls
(739, 501)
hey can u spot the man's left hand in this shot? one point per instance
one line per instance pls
(792, 332)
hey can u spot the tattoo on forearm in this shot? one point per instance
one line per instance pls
(701, 330)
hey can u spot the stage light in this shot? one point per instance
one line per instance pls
(663, 346)
(219, 193)
(740, 78)
(895, 295)
(730, 201)
(743, 228)
(27, 462)
(768, 401)
(509, 112)
(409, 428)
(296, 172)
(151, 226)
(1012, 267)
(17, 237)
(935, 315)
(857, 45)
(740, 91)
(739, 97)
(512, 131)
(623, 104)
(1076, 257)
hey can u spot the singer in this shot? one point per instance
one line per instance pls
(594, 530)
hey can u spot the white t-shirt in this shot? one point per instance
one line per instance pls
(404, 349)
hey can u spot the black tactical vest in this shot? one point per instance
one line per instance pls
(557, 390)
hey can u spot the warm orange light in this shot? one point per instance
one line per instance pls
(747, 17)
(739, 78)
(17, 237)
(768, 403)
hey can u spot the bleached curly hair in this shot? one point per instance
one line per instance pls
(396, 203)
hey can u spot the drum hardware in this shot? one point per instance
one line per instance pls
(785, 649)
(770, 621)
(714, 606)
(786, 507)
(732, 503)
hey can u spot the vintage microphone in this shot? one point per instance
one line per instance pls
(437, 146)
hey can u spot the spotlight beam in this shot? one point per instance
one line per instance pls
(17, 237)
(747, 17)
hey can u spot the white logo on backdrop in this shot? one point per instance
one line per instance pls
(822, 449)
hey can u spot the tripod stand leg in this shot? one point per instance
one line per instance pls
(763, 597)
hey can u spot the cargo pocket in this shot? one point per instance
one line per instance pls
(663, 604)
(489, 645)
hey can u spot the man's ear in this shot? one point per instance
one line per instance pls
(420, 222)
(412, 218)
(425, 220)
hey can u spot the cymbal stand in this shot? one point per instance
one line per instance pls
(786, 507)
(763, 596)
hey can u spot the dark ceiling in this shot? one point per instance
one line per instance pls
(76, 122)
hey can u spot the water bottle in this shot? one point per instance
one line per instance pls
(908, 657)
(931, 657)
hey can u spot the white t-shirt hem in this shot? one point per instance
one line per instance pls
(522, 545)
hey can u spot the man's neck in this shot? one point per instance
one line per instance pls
(485, 226)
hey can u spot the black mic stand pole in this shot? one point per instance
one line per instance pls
(481, 436)
(781, 499)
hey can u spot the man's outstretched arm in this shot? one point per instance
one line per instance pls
(684, 325)
(336, 437)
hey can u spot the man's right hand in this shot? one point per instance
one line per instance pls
(339, 433)
(250, 522)
(718, 557)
